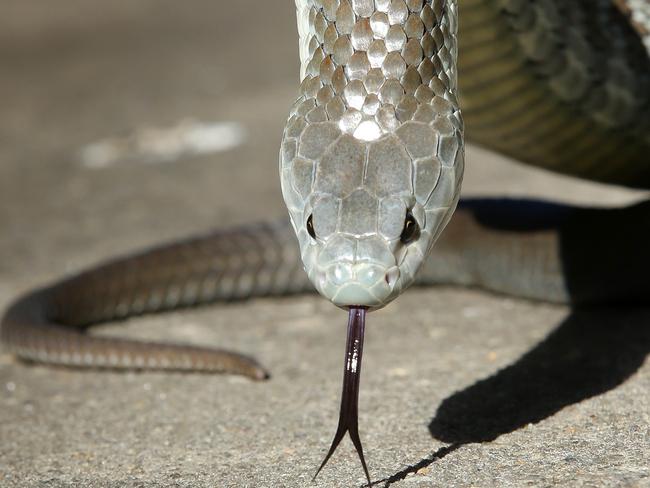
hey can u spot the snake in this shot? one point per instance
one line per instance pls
(371, 166)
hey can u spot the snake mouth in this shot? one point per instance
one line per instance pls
(355, 293)
(365, 285)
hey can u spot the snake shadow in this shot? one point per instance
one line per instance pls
(591, 352)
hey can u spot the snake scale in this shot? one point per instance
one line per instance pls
(371, 166)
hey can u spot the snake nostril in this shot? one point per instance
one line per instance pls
(391, 277)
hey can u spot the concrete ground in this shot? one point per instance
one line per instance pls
(460, 388)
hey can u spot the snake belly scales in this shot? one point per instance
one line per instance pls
(371, 166)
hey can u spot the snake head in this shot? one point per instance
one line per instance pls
(366, 213)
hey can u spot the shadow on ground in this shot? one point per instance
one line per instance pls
(590, 353)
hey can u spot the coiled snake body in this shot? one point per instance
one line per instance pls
(371, 166)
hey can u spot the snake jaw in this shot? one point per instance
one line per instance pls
(349, 411)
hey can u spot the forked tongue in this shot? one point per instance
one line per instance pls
(348, 415)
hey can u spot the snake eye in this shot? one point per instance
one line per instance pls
(411, 230)
(310, 226)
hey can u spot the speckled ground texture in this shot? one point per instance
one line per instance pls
(460, 388)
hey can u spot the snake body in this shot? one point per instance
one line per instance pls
(371, 166)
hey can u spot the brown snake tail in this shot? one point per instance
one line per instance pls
(48, 325)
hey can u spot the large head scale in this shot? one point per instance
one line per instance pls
(372, 158)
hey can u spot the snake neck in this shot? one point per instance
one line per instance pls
(369, 66)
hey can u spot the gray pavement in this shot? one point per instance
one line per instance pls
(460, 388)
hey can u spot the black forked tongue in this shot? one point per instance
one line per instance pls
(349, 413)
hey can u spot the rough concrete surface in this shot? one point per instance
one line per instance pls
(460, 387)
